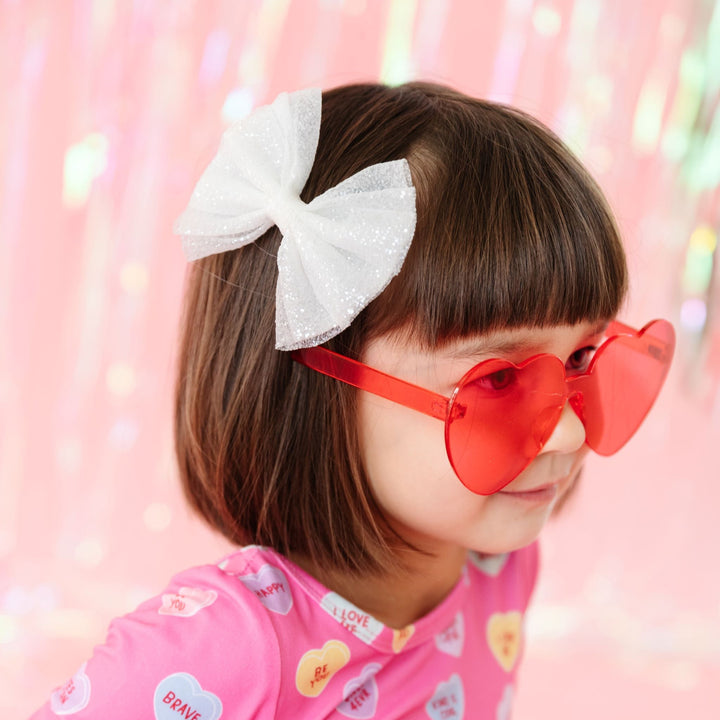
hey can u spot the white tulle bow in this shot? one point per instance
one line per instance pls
(338, 251)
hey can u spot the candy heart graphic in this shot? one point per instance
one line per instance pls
(187, 602)
(316, 667)
(451, 639)
(180, 696)
(448, 700)
(271, 587)
(361, 694)
(504, 632)
(491, 565)
(73, 696)
(361, 624)
(504, 707)
(401, 637)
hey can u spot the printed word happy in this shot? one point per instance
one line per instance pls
(270, 590)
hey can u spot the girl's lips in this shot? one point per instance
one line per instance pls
(540, 494)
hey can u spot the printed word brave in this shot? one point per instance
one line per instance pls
(183, 709)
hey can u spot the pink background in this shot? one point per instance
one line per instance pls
(109, 111)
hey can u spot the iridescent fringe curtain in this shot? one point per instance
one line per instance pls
(109, 110)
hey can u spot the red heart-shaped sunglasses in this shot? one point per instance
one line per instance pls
(501, 414)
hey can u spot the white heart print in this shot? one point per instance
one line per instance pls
(448, 702)
(452, 638)
(181, 696)
(271, 587)
(73, 696)
(361, 695)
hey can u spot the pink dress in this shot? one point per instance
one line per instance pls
(256, 637)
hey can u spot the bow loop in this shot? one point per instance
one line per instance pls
(338, 251)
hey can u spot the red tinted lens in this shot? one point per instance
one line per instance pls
(622, 384)
(500, 417)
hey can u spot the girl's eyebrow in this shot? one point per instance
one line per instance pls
(493, 347)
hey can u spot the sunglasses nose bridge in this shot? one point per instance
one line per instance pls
(576, 386)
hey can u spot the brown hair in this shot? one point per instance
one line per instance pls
(511, 231)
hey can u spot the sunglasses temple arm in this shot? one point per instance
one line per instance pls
(373, 381)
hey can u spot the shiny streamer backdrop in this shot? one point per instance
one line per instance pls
(108, 112)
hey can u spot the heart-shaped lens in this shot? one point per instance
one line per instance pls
(500, 417)
(622, 383)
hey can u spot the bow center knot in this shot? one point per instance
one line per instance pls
(284, 208)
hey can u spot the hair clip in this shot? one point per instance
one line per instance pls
(338, 252)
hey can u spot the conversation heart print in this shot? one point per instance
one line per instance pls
(180, 697)
(504, 633)
(448, 702)
(401, 638)
(187, 602)
(361, 624)
(73, 696)
(317, 667)
(452, 638)
(271, 587)
(361, 695)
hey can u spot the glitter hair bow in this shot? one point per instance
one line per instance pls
(338, 251)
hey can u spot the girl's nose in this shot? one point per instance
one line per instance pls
(568, 435)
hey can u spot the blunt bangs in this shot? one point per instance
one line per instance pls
(512, 231)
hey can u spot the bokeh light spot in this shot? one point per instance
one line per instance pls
(238, 104)
(134, 278)
(547, 21)
(157, 517)
(704, 239)
(68, 454)
(647, 123)
(89, 553)
(214, 57)
(693, 314)
(8, 629)
(120, 379)
(396, 67)
(124, 434)
(698, 270)
(84, 161)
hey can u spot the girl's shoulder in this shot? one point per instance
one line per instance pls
(203, 643)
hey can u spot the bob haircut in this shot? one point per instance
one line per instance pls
(511, 231)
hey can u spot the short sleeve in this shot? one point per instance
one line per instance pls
(201, 650)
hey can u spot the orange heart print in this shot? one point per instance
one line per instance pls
(504, 633)
(317, 666)
(400, 637)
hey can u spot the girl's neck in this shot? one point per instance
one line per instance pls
(396, 599)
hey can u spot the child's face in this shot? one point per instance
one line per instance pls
(404, 450)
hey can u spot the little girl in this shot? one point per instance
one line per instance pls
(399, 345)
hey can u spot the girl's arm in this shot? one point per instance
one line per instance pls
(201, 645)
